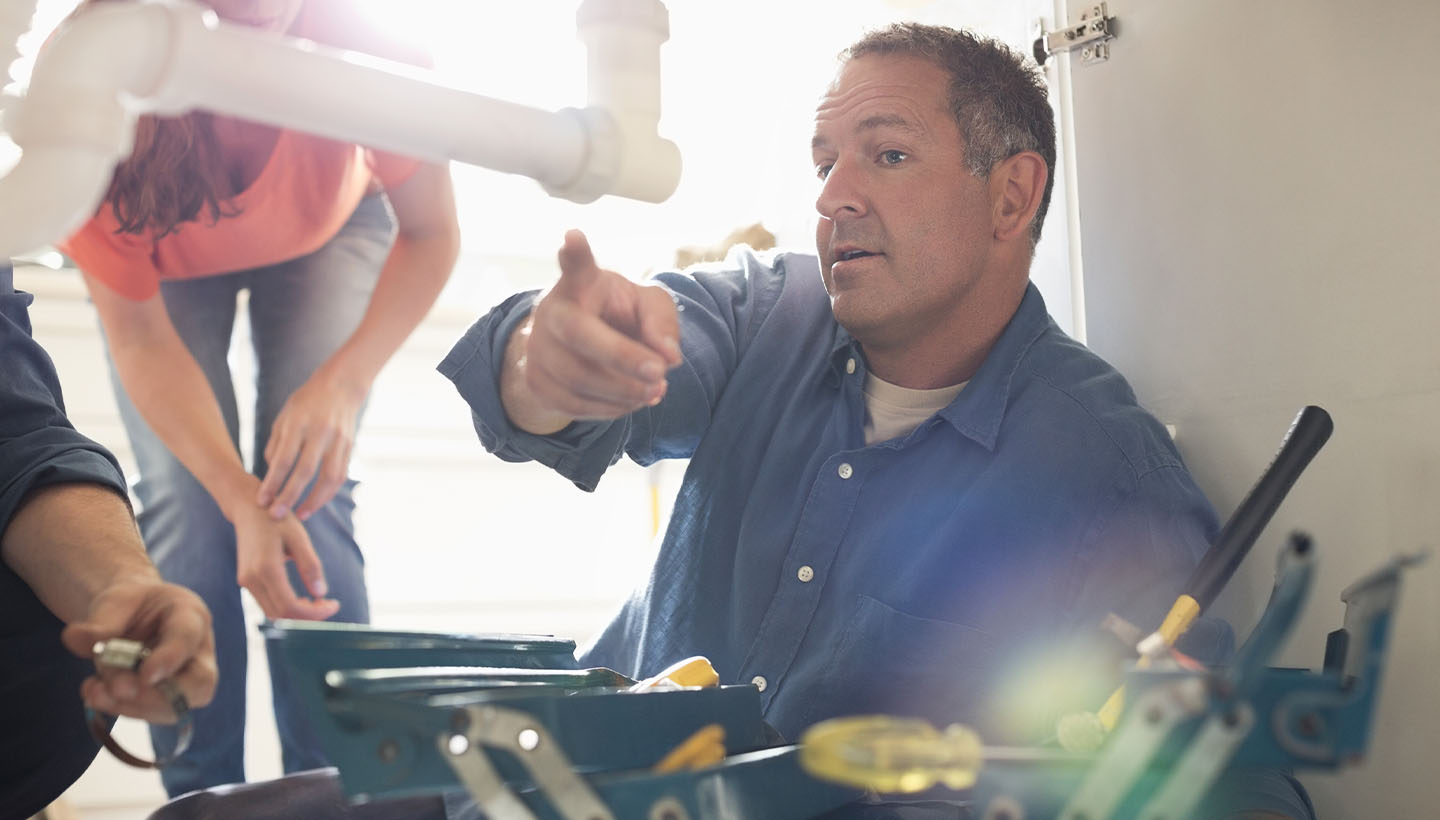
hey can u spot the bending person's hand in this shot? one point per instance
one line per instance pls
(173, 622)
(262, 546)
(311, 439)
(597, 346)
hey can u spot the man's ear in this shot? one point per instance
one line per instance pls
(1016, 186)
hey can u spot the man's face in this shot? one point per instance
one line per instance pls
(905, 229)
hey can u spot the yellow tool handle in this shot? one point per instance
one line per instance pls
(704, 748)
(1182, 613)
(695, 671)
(891, 755)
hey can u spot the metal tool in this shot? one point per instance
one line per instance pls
(530, 737)
(127, 655)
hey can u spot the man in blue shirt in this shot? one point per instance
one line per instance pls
(909, 492)
(72, 555)
(907, 488)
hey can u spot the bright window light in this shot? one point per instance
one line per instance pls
(738, 92)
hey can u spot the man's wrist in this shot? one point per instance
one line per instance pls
(522, 407)
(138, 576)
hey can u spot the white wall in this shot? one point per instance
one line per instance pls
(1258, 201)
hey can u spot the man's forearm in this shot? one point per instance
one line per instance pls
(69, 541)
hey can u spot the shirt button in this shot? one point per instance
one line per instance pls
(846, 471)
(850, 365)
(805, 574)
(759, 682)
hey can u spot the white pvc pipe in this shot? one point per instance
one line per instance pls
(118, 60)
(73, 125)
(34, 212)
(16, 17)
(622, 44)
(346, 96)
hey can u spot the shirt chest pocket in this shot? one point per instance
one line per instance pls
(890, 662)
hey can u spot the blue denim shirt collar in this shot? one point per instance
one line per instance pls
(979, 409)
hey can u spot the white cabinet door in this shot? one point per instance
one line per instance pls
(1258, 189)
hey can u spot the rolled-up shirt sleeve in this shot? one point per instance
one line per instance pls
(719, 310)
(38, 445)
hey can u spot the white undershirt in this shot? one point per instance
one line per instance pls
(892, 411)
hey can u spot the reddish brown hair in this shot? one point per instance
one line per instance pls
(173, 175)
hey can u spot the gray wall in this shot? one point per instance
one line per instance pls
(1258, 205)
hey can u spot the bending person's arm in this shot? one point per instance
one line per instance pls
(171, 392)
(314, 433)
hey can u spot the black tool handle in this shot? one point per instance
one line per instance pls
(1307, 434)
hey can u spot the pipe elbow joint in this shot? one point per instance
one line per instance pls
(77, 119)
(625, 154)
(624, 157)
(87, 78)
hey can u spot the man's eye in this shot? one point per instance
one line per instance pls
(892, 157)
(823, 171)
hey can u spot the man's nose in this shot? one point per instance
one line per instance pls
(840, 193)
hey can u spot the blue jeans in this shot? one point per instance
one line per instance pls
(301, 311)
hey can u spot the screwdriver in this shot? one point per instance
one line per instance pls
(896, 755)
(890, 754)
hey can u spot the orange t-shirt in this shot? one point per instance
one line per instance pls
(303, 195)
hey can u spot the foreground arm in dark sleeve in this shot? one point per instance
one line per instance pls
(69, 541)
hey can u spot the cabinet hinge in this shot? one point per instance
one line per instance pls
(1091, 35)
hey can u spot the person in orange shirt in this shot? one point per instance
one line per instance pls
(342, 251)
